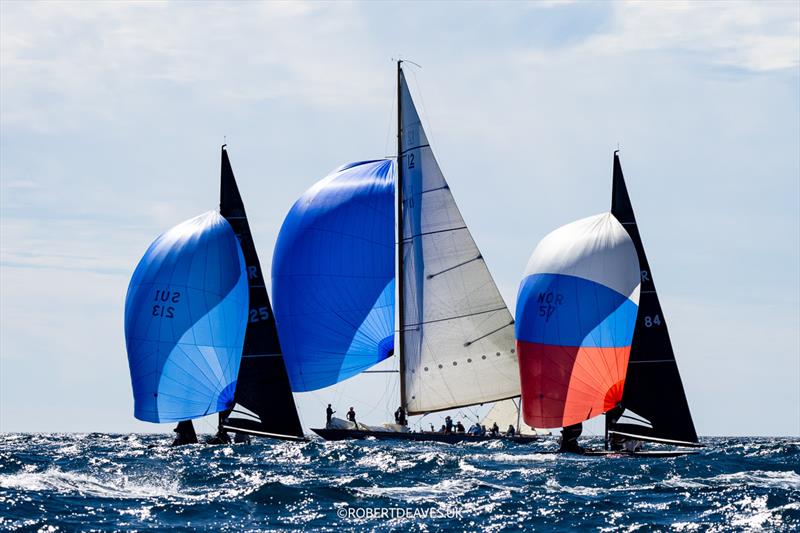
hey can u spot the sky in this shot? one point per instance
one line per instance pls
(112, 115)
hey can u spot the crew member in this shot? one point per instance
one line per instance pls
(400, 416)
(328, 415)
(459, 427)
(241, 438)
(448, 423)
(351, 415)
(569, 438)
(510, 432)
(184, 434)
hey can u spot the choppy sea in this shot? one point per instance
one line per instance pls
(99, 482)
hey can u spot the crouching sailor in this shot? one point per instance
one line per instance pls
(569, 439)
(400, 416)
(184, 434)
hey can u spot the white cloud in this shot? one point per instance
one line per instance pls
(62, 62)
(753, 35)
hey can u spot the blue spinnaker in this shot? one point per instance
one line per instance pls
(185, 320)
(333, 276)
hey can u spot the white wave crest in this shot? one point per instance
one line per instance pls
(86, 485)
(780, 479)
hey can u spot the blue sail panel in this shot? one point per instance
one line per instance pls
(333, 276)
(185, 320)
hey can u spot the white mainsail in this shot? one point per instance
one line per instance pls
(457, 335)
(506, 413)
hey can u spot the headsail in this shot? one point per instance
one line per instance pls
(456, 332)
(576, 311)
(653, 390)
(263, 387)
(333, 276)
(185, 320)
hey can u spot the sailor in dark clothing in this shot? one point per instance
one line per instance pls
(221, 437)
(614, 442)
(185, 434)
(241, 438)
(510, 432)
(351, 415)
(569, 438)
(400, 416)
(495, 430)
(448, 424)
(328, 415)
(459, 427)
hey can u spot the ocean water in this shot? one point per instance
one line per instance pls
(98, 482)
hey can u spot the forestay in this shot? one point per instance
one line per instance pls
(185, 320)
(458, 335)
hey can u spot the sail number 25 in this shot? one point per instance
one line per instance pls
(257, 315)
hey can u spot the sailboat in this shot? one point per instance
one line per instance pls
(592, 338)
(199, 329)
(378, 232)
(654, 405)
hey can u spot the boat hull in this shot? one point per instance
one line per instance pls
(450, 438)
(645, 454)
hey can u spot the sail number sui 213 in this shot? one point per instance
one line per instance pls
(163, 309)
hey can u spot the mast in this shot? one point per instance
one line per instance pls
(400, 303)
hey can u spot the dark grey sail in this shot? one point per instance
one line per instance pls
(263, 386)
(654, 404)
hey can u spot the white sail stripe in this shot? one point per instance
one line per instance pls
(583, 249)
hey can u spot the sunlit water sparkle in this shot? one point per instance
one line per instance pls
(52, 482)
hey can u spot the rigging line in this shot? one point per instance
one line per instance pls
(468, 261)
(408, 326)
(425, 233)
(429, 129)
(390, 122)
(490, 333)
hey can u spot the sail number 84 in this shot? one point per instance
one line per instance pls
(650, 321)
